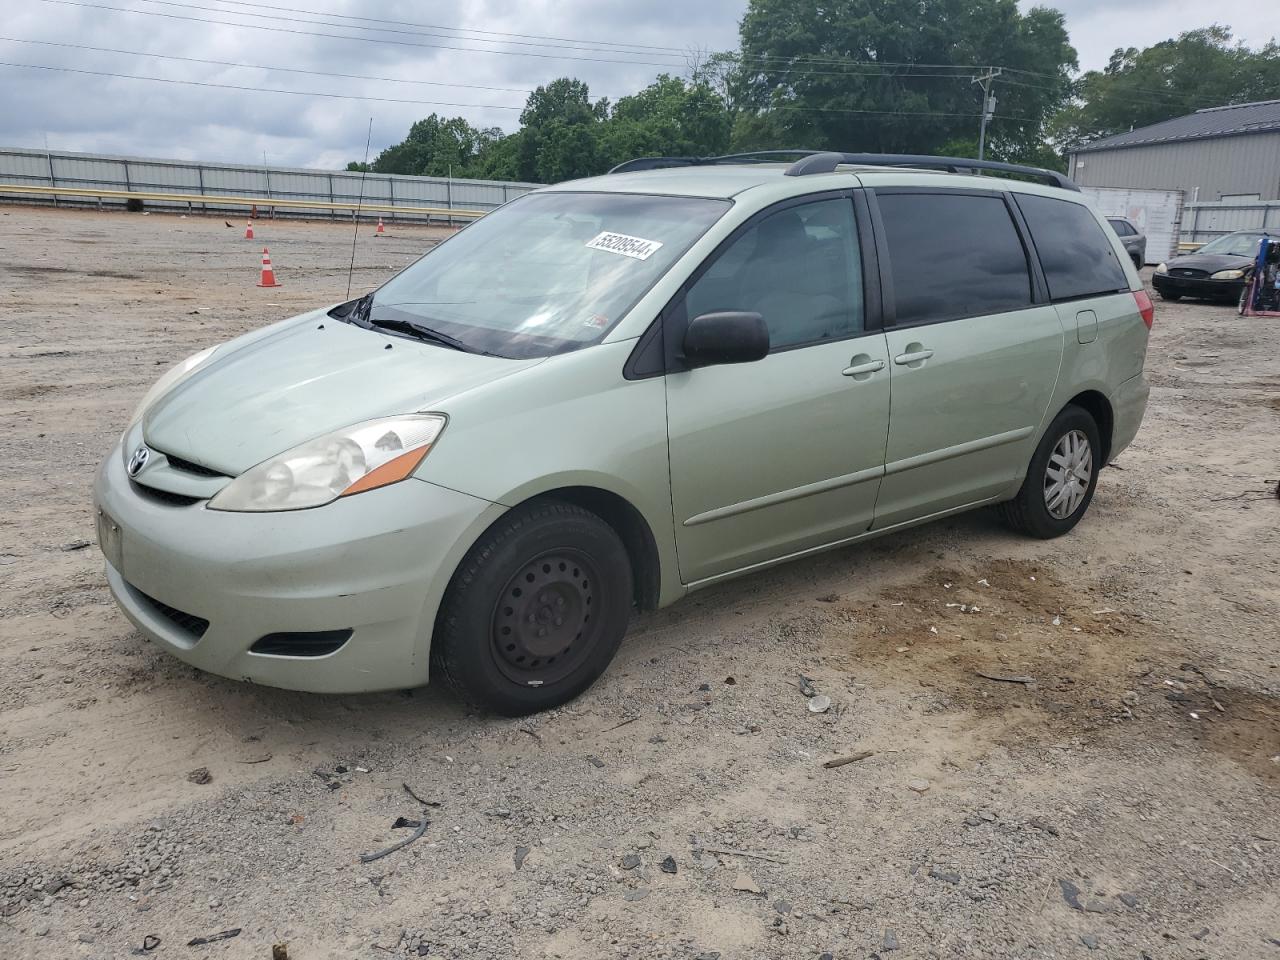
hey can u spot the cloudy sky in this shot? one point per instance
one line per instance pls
(476, 59)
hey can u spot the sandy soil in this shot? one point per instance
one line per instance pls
(1120, 803)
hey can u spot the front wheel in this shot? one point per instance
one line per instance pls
(536, 610)
(1061, 478)
(1171, 297)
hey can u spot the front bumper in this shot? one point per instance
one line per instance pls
(376, 563)
(1193, 287)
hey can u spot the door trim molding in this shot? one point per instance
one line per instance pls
(959, 450)
(795, 493)
(835, 544)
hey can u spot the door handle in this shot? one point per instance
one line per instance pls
(858, 369)
(913, 357)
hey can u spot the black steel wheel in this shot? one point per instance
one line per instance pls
(536, 610)
(542, 629)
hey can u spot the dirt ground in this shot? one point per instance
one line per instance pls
(1073, 746)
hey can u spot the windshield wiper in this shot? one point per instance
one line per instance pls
(420, 332)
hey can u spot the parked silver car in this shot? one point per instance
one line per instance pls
(1134, 240)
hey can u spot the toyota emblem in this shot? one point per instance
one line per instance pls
(138, 460)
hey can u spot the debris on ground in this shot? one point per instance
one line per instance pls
(1071, 894)
(819, 704)
(213, 938)
(847, 758)
(200, 775)
(745, 883)
(668, 865)
(1005, 678)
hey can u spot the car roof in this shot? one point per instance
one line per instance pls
(726, 181)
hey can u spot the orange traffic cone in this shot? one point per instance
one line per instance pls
(268, 274)
(381, 228)
(248, 230)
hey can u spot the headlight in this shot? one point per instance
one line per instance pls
(1227, 275)
(1162, 268)
(167, 382)
(351, 460)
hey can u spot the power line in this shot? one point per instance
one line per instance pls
(437, 103)
(261, 67)
(878, 67)
(340, 36)
(275, 17)
(258, 66)
(234, 86)
(437, 26)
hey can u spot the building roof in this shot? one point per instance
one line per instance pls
(1231, 120)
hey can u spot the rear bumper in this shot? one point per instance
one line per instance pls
(1207, 289)
(1128, 406)
(376, 564)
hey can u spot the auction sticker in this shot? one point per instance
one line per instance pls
(637, 248)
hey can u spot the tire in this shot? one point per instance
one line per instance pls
(1171, 297)
(536, 610)
(1030, 512)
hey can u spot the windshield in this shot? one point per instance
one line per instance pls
(546, 273)
(1234, 245)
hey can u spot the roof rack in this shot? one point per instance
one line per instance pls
(817, 161)
(827, 162)
(662, 163)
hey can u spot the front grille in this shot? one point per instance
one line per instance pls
(186, 466)
(1188, 274)
(187, 622)
(163, 496)
(314, 643)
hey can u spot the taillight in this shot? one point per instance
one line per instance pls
(1145, 307)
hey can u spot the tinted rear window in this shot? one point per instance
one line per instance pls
(952, 256)
(1076, 255)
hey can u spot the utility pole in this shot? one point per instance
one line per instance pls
(988, 105)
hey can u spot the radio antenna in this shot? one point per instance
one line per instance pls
(364, 172)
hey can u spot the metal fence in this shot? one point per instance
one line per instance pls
(1201, 222)
(276, 185)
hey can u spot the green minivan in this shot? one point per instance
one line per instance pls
(610, 392)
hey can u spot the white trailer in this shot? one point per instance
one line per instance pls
(1157, 213)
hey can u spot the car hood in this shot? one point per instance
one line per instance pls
(265, 393)
(1213, 262)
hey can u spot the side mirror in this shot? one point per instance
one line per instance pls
(728, 337)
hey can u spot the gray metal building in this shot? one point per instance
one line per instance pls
(1220, 153)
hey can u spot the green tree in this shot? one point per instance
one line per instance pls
(559, 132)
(670, 117)
(1199, 68)
(436, 147)
(808, 74)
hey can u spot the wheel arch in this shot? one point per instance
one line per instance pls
(1096, 404)
(631, 527)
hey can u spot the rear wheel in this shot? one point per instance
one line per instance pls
(536, 610)
(1061, 478)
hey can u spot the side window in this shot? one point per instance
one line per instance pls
(799, 268)
(1122, 228)
(1076, 255)
(953, 255)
